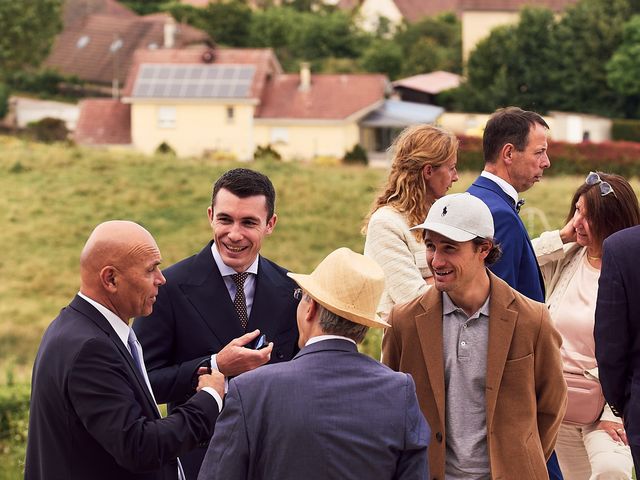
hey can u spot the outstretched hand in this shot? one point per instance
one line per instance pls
(235, 359)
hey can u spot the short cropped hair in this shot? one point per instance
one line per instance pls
(494, 253)
(244, 183)
(508, 125)
(333, 324)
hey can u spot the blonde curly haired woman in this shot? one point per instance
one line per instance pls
(423, 169)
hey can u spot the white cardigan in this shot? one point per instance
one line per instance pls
(403, 259)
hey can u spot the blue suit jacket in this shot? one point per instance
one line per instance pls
(194, 317)
(617, 327)
(330, 413)
(518, 265)
(92, 415)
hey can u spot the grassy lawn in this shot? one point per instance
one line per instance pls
(52, 196)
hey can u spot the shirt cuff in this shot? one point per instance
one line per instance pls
(211, 391)
(214, 366)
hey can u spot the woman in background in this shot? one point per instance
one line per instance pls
(423, 169)
(570, 260)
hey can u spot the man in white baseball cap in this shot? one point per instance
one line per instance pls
(486, 359)
(331, 412)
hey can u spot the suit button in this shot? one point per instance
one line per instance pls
(439, 437)
(279, 355)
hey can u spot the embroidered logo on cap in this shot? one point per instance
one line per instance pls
(444, 211)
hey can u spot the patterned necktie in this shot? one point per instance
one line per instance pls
(132, 340)
(240, 302)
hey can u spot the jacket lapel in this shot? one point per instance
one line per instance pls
(429, 328)
(85, 308)
(502, 322)
(206, 283)
(270, 294)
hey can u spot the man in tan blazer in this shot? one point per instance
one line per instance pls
(485, 359)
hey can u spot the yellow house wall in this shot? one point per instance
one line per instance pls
(197, 129)
(308, 141)
(477, 25)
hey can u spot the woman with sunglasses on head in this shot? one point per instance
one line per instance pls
(422, 170)
(591, 443)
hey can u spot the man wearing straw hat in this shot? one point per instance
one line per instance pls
(485, 358)
(331, 412)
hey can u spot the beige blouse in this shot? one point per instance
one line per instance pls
(403, 259)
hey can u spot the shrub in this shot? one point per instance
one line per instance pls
(44, 82)
(4, 99)
(356, 155)
(48, 130)
(267, 153)
(628, 130)
(165, 149)
(14, 421)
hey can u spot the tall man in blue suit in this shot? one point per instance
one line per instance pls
(331, 412)
(514, 146)
(93, 415)
(219, 300)
(617, 331)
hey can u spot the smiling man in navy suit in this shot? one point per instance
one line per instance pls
(219, 300)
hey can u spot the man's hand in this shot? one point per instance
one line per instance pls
(235, 359)
(214, 380)
(615, 431)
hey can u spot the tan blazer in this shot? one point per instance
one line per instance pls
(526, 393)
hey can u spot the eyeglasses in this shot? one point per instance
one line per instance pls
(297, 294)
(605, 189)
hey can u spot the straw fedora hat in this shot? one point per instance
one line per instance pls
(347, 284)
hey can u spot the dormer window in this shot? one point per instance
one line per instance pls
(82, 42)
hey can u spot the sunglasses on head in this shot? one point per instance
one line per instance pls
(605, 188)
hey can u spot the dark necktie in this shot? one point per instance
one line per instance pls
(519, 205)
(132, 340)
(240, 302)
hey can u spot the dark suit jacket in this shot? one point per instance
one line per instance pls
(525, 390)
(617, 327)
(194, 317)
(518, 265)
(92, 416)
(330, 413)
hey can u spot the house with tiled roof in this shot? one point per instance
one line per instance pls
(424, 88)
(229, 101)
(396, 11)
(98, 47)
(104, 122)
(479, 17)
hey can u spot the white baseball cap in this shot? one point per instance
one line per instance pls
(459, 217)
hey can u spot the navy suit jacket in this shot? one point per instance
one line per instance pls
(330, 413)
(518, 265)
(194, 317)
(617, 327)
(92, 415)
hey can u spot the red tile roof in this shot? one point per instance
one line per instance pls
(514, 5)
(77, 11)
(432, 83)
(263, 59)
(103, 121)
(95, 62)
(330, 97)
(414, 10)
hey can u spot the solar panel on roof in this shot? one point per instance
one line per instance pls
(194, 81)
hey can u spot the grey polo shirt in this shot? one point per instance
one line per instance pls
(465, 341)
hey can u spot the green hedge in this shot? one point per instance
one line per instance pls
(14, 421)
(622, 158)
(628, 130)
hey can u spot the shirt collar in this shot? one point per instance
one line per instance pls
(225, 270)
(121, 328)
(503, 184)
(320, 338)
(448, 307)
